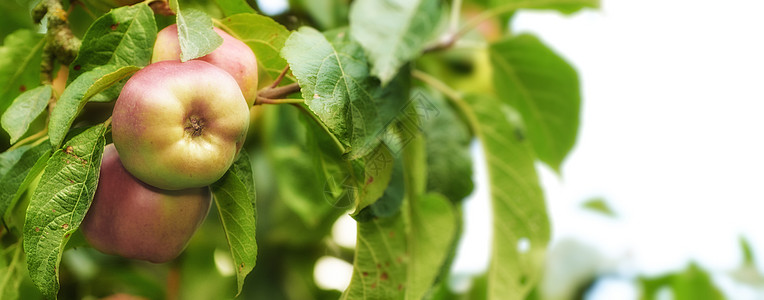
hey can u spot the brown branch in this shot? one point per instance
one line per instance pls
(279, 92)
(60, 43)
(281, 77)
(260, 101)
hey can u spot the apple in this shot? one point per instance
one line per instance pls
(135, 220)
(233, 56)
(179, 125)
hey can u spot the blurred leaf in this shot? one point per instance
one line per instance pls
(11, 157)
(25, 109)
(232, 7)
(394, 261)
(20, 58)
(11, 272)
(431, 233)
(600, 206)
(123, 37)
(201, 279)
(263, 35)
(77, 94)
(520, 223)
(748, 257)
(235, 199)
(449, 163)
(327, 13)
(195, 33)
(544, 89)
(564, 6)
(15, 16)
(693, 283)
(59, 204)
(393, 32)
(295, 152)
(14, 182)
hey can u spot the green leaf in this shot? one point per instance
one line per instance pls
(77, 94)
(564, 6)
(390, 202)
(432, 232)
(25, 109)
(232, 7)
(123, 37)
(235, 200)
(59, 204)
(14, 182)
(20, 58)
(377, 172)
(520, 222)
(327, 13)
(11, 157)
(749, 259)
(693, 283)
(447, 137)
(399, 257)
(333, 81)
(336, 86)
(545, 91)
(296, 153)
(393, 32)
(263, 35)
(195, 33)
(11, 272)
(600, 206)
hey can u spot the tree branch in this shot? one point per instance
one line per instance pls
(279, 92)
(60, 43)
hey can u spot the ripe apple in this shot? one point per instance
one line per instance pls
(233, 56)
(179, 125)
(135, 220)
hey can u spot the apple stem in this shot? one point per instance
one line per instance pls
(278, 92)
(281, 77)
(277, 101)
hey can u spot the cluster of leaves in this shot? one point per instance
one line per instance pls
(393, 94)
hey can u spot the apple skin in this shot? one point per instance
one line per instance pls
(179, 125)
(233, 56)
(135, 220)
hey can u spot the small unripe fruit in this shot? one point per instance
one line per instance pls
(135, 220)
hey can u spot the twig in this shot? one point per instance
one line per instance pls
(279, 92)
(60, 43)
(281, 77)
(30, 138)
(453, 35)
(451, 94)
(261, 100)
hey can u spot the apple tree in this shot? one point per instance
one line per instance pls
(126, 122)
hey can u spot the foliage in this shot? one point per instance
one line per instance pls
(368, 109)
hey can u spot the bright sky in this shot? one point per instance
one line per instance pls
(670, 137)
